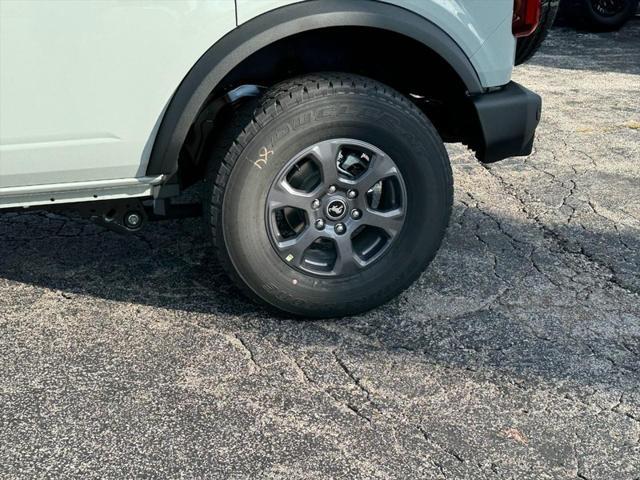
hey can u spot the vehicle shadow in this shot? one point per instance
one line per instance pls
(489, 296)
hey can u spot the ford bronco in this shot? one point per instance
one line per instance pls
(315, 128)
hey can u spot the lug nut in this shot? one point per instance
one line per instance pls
(352, 194)
(340, 228)
(356, 214)
(315, 204)
(332, 189)
(320, 224)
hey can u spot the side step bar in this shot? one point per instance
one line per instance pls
(77, 192)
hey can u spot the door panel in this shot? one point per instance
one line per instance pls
(83, 84)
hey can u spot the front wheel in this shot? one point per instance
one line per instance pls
(333, 197)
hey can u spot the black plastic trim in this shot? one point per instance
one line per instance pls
(508, 119)
(265, 29)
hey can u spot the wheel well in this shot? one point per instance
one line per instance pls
(389, 57)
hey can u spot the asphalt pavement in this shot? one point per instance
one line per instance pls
(516, 354)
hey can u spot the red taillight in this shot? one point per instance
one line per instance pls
(526, 16)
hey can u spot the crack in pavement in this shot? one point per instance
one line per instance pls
(559, 239)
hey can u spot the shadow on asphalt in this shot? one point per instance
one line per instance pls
(571, 49)
(168, 266)
(171, 264)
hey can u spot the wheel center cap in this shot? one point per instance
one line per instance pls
(336, 209)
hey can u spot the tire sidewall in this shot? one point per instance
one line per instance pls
(405, 136)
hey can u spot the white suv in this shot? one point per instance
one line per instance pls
(317, 127)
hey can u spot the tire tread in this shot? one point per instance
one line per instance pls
(254, 116)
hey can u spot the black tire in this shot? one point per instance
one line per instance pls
(290, 117)
(587, 14)
(526, 47)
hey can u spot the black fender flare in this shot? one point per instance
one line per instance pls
(261, 31)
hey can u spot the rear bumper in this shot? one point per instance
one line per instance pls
(508, 119)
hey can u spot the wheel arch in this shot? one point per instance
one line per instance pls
(207, 76)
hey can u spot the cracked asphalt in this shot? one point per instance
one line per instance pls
(516, 355)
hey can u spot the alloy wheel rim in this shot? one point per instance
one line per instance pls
(608, 8)
(336, 208)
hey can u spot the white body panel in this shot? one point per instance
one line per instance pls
(83, 84)
(482, 28)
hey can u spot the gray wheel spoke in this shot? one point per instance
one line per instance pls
(293, 250)
(326, 153)
(381, 167)
(282, 195)
(391, 221)
(346, 262)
